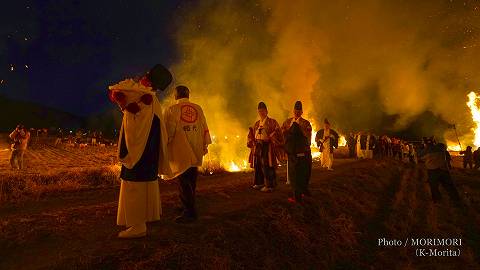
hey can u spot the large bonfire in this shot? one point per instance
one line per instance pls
(474, 105)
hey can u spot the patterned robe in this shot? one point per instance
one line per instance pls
(275, 151)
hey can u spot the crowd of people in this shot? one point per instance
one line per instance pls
(81, 138)
(366, 145)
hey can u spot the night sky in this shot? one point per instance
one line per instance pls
(64, 54)
(395, 63)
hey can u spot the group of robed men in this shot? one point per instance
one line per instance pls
(153, 142)
(270, 144)
(172, 144)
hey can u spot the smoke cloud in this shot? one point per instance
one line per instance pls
(364, 65)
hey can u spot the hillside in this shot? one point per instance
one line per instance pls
(34, 115)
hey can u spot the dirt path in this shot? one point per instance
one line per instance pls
(240, 228)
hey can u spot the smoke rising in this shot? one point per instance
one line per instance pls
(364, 65)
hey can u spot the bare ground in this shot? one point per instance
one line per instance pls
(239, 228)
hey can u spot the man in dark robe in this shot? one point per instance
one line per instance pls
(298, 133)
(351, 145)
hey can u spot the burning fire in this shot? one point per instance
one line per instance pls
(474, 105)
(452, 146)
(229, 151)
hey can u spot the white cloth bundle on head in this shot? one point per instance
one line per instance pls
(136, 127)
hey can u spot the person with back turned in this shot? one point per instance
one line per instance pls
(142, 150)
(476, 158)
(298, 133)
(188, 140)
(438, 171)
(467, 157)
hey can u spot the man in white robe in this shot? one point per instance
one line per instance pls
(327, 140)
(142, 152)
(188, 140)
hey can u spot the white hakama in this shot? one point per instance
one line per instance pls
(327, 156)
(139, 202)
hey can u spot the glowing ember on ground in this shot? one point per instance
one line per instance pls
(474, 105)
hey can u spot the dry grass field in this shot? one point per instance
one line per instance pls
(56, 169)
(65, 219)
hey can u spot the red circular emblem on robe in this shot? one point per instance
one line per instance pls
(188, 114)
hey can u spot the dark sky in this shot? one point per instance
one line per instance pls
(64, 54)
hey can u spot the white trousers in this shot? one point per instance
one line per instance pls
(139, 202)
(327, 157)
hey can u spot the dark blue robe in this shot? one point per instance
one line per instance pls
(146, 169)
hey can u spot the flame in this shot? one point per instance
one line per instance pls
(342, 141)
(232, 167)
(227, 152)
(452, 146)
(316, 154)
(474, 105)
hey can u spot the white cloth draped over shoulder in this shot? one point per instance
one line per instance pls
(139, 201)
(136, 127)
(188, 136)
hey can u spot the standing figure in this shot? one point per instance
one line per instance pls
(20, 137)
(363, 146)
(265, 141)
(59, 138)
(467, 157)
(412, 155)
(396, 148)
(188, 140)
(327, 140)
(142, 150)
(298, 133)
(351, 141)
(94, 138)
(476, 158)
(438, 171)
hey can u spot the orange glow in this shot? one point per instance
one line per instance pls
(474, 105)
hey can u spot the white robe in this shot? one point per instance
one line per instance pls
(365, 153)
(188, 136)
(139, 202)
(327, 156)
